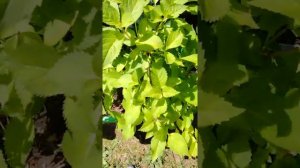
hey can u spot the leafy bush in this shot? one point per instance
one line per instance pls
(150, 52)
(250, 99)
(50, 47)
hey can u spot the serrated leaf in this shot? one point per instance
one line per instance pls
(159, 77)
(193, 149)
(132, 110)
(32, 53)
(220, 77)
(150, 91)
(147, 126)
(80, 111)
(191, 58)
(177, 143)
(111, 13)
(174, 39)
(124, 81)
(24, 95)
(289, 8)
(157, 148)
(54, 81)
(55, 31)
(19, 136)
(214, 109)
(169, 91)
(149, 42)
(290, 141)
(81, 150)
(144, 27)
(170, 58)
(130, 37)
(17, 17)
(131, 10)
(154, 13)
(213, 10)
(242, 18)
(158, 107)
(171, 9)
(112, 44)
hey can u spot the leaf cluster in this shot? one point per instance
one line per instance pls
(50, 47)
(150, 52)
(249, 89)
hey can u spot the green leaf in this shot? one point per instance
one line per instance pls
(158, 107)
(83, 140)
(24, 95)
(290, 141)
(54, 81)
(155, 13)
(193, 150)
(214, 109)
(220, 77)
(177, 144)
(131, 10)
(181, 1)
(144, 27)
(174, 39)
(171, 9)
(111, 14)
(159, 76)
(170, 58)
(4, 92)
(112, 44)
(81, 150)
(55, 31)
(158, 144)
(169, 91)
(149, 91)
(132, 110)
(19, 136)
(130, 37)
(213, 10)
(242, 159)
(242, 18)
(149, 42)
(80, 111)
(191, 58)
(289, 8)
(32, 52)
(193, 9)
(17, 17)
(147, 126)
(128, 131)
(191, 97)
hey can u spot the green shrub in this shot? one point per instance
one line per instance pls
(150, 52)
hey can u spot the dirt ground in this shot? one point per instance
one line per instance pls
(135, 153)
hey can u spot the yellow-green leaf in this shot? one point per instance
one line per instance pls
(177, 143)
(174, 39)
